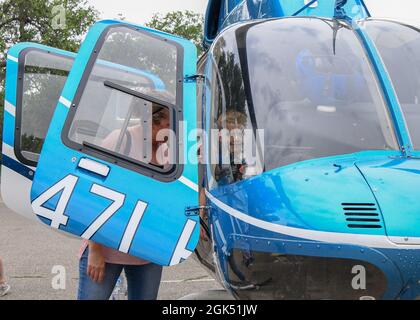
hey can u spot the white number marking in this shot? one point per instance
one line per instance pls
(132, 226)
(181, 252)
(56, 216)
(118, 201)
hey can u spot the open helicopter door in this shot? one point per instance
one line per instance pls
(35, 77)
(107, 173)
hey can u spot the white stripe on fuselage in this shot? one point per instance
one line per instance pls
(189, 183)
(9, 151)
(372, 241)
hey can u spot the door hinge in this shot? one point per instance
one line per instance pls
(195, 78)
(195, 211)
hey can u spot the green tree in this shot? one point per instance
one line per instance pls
(186, 24)
(57, 23)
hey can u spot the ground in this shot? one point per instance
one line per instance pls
(30, 251)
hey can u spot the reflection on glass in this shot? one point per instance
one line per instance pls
(235, 154)
(306, 83)
(399, 47)
(314, 91)
(43, 80)
(112, 116)
(134, 52)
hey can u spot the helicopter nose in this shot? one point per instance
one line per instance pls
(318, 215)
(394, 183)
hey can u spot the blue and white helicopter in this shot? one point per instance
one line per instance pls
(328, 210)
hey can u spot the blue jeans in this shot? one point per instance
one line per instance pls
(142, 281)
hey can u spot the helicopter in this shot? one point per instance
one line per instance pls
(324, 207)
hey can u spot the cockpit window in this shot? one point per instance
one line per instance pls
(129, 106)
(313, 91)
(399, 47)
(235, 153)
(43, 77)
(308, 84)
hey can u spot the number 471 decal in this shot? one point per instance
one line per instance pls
(58, 218)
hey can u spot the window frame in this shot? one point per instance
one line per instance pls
(176, 112)
(19, 101)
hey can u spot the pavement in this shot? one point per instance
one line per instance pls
(32, 255)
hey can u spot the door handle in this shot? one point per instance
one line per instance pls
(94, 167)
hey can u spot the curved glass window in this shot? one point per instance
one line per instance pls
(314, 92)
(307, 84)
(399, 47)
(234, 151)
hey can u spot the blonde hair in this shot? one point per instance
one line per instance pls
(232, 116)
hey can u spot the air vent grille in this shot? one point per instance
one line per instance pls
(362, 215)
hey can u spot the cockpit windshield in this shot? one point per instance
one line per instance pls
(314, 92)
(399, 47)
(308, 84)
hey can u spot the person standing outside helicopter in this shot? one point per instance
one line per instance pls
(100, 267)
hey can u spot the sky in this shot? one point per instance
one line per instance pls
(405, 9)
(141, 11)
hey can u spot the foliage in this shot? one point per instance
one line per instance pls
(42, 21)
(186, 24)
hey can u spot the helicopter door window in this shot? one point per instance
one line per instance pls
(43, 76)
(127, 112)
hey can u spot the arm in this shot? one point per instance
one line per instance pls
(96, 262)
